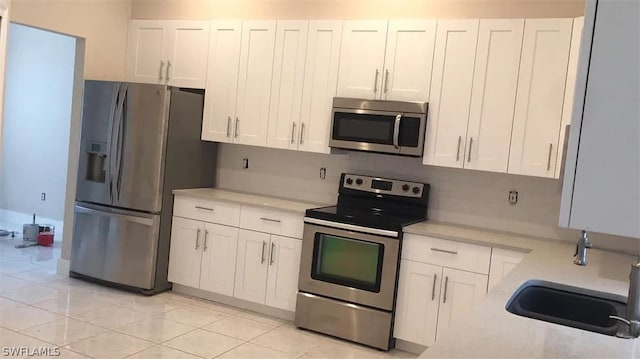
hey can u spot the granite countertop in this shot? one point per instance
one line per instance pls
(216, 194)
(489, 331)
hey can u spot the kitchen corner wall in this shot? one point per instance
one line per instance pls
(103, 23)
(459, 196)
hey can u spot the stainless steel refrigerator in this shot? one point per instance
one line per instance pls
(139, 142)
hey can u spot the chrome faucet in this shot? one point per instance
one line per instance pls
(581, 249)
(632, 319)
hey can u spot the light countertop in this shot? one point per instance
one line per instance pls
(489, 331)
(216, 194)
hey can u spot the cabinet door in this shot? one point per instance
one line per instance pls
(320, 82)
(146, 53)
(450, 92)
(493, 94)
(541, 84)
(251, 266)
(185, 254)
(286, 84)
(254, 82)
(462, 291)
(502, 262)
(219, 250)
(222, 81)
(362, 59)
(570, 88)
(284, 266)
(188, 49)
(418, 302)
(409, 60)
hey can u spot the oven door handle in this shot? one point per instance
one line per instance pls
(396, 131)
(351, 227)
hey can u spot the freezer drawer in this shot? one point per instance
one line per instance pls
(115, 245)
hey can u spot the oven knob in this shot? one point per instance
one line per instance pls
(405, 187)
(416, 190)
(359, 181)
(349, 181)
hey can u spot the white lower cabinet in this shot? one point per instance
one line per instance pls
(219, 250)
(502, 262)
(255, 262)
(461, 293)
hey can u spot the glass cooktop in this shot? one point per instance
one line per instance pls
(371, 218)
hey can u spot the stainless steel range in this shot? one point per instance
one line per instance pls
(351, 256)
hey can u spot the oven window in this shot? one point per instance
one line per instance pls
(363, 128)
(348, 262)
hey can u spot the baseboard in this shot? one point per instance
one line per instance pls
(410, 347)
(17, 219)
(234, 302)
(63, 267)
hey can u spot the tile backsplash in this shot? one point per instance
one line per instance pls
(473, 198)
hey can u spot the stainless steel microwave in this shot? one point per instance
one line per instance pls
(392, 127)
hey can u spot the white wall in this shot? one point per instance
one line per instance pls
(473, 198)
(37, 117)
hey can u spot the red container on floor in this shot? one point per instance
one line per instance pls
(45, 239)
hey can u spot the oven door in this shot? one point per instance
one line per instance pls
(350, 266)
(378, 131)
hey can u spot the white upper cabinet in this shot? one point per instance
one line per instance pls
(541, 86)
(286, 84)
(408, 60)
(187, 53)
(450, 96)
(569, 91)
(168, 52)
(493, 94)
(320, 83)
(362, 59)
(254, 82)
(146, 53)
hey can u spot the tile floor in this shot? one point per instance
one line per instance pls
(39, 309)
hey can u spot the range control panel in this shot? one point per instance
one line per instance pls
(383, 185)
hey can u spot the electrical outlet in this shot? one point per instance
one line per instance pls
(513, 197)
(323, 173)
(43, 196)
(245, 163)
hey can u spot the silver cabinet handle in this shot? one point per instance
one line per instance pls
(228, 126)
(271, 253)
(264, 244)
(444, 251)
(386, 81)
(470, 145)
(198, 239)
(375, 82)
(168, 66)
(396, 131)
(236, 131)
(458, 152)
(161, 68)
(204, 208)
(270, 220)
(549, 159)
(433, 290)
(206, 234)
(302, 133)
(446, 284)
(293, 133)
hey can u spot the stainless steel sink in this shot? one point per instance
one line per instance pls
(570, 306)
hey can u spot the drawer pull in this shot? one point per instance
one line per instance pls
(270, 220)
(444, 251)
(204, 208)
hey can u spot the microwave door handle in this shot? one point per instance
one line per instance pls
(396, 131)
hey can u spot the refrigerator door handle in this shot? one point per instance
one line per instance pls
(122, 114)
(112, 144)
(115, 214)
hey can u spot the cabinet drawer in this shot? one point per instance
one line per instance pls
(207, 211)
(272, 221)
(452, 254)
